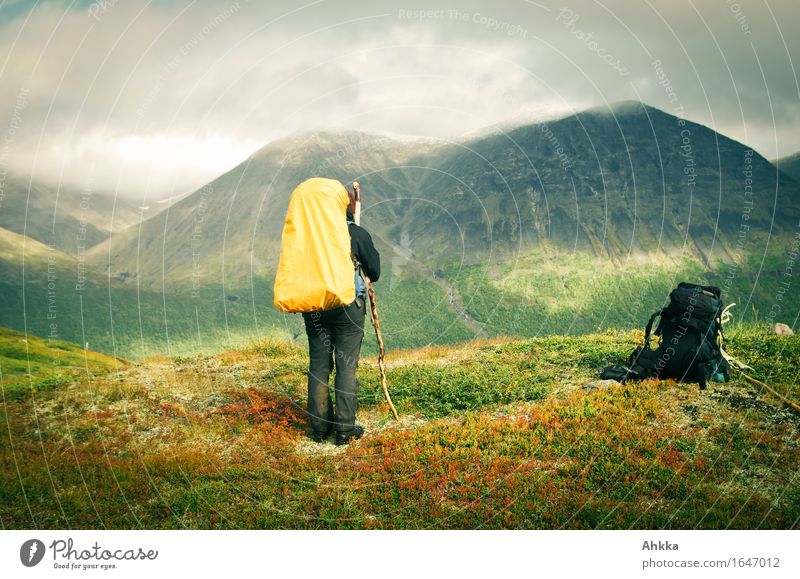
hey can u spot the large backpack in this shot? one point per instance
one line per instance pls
(690, 349)
(315, 271)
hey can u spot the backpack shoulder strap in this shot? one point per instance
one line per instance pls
(649, 327)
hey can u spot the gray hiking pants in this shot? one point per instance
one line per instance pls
(334, 341)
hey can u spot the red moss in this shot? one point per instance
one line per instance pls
(276, 411)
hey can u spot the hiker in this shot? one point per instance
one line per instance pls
(334, 340)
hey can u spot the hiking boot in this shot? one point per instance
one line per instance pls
(347, 435)
(320, 436)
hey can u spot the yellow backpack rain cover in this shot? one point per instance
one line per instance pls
(315, 271)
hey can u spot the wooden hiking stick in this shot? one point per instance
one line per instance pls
(373, 310)
(381, 352)
(734, 363)
(357, 197)
(772, 391)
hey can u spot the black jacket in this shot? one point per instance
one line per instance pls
(364, 250)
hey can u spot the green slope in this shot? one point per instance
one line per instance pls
(534, 295)
(538, 296)
(31, 364)
(21, 355)
(790, 165)
(49, 297)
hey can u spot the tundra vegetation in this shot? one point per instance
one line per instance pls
(496, 433)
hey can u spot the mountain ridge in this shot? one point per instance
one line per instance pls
(70, 219)
(790, 165)
(572, 225)
(621, 168)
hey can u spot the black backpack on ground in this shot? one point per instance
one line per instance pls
(691, 341)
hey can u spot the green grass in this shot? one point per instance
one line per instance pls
(493, 434)
(578, 294)
(534, 295)
(121, 321)
(35, 364)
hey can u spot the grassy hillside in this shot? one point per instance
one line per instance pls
(70, 220)
(790, 165)
(539, 293)
(630, 179)
(120, 319)
(576, 293)
(31, 363)
(45, 293)
(493, 434)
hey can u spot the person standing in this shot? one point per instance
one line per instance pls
(334, 342)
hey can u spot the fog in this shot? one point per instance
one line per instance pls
(151, 100)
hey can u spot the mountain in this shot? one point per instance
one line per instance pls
(790, 165)
(71, 220)
(570, 226)
(610, 183)
(232, 225)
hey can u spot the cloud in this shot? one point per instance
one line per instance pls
(153, 99)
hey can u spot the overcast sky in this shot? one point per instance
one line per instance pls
(152, 99)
